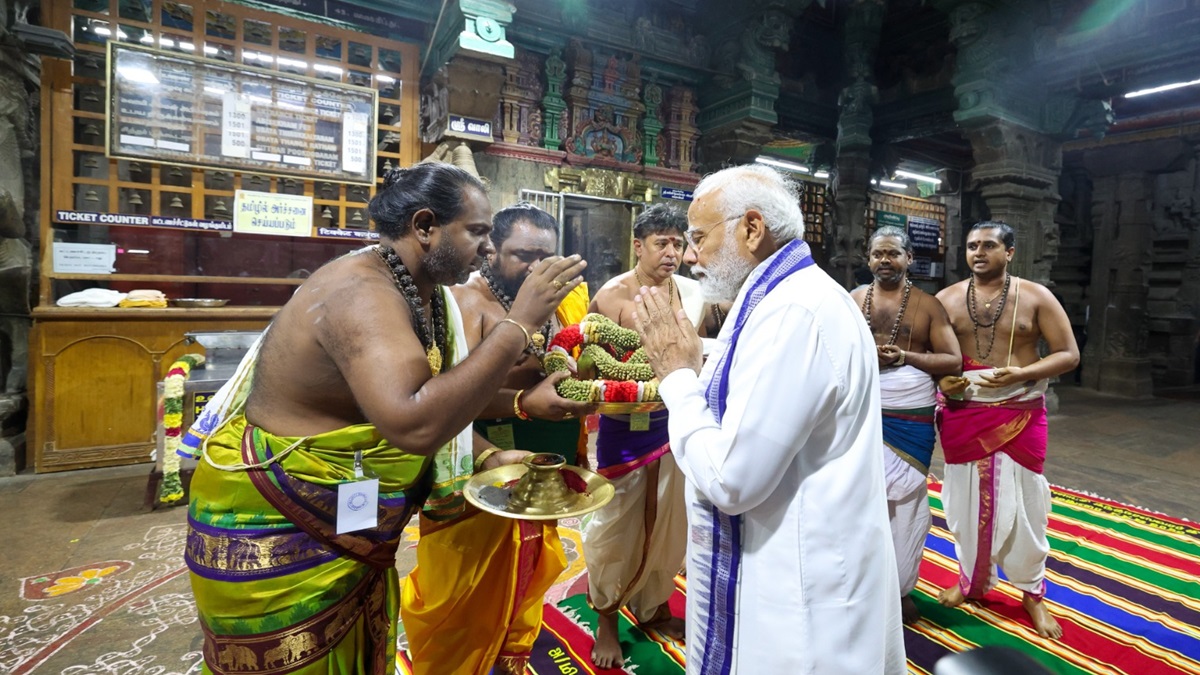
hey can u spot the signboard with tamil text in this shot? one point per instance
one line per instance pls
(271, 213)
(469, 128)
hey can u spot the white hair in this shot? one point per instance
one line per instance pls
(759, 187)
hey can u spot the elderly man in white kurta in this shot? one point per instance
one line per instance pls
(790, 561)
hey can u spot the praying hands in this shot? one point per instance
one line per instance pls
(669, 339)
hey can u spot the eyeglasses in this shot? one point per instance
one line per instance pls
(695, 236)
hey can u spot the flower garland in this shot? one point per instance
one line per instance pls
(598, 343)
(171, 488)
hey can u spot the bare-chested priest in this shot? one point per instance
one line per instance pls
(480, 577)
(915, 344)
(993, 424)
(355, 411)
(635, 545)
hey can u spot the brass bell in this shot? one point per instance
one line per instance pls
(176, 202)
(220, 176)
(176, 173)
(357, 218)
(135, 167)
(90, 162)
(135, 199)
(387, 165)
(326, 189)
(220, 207)
(91, 196)
(326, 213)
(90, 96)
(389, 112)
(91, 130)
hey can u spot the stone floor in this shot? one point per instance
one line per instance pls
(91, 583)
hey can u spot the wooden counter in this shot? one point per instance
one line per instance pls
(93, 374)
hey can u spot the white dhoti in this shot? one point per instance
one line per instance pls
(907, 390)
(1020, 515)
(625, 567)
(908, 514)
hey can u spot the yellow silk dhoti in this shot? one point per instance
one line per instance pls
(475, 599)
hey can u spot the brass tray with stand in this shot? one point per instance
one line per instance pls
(535, 490)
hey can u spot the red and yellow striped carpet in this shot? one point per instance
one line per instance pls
(1123, 582)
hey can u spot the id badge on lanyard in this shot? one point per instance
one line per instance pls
(358, 501)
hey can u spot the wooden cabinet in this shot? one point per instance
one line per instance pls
(93, 378)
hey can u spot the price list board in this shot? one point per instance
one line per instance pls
(179, 109)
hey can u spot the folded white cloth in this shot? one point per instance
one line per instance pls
(92, 297)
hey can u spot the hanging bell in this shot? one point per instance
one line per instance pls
(220, 177)
(135, 199)
(387, 165)
(326, 213)
(326, 189)
(90, 162)
(91, 196)
(220, 207)
(389, 112)
(90, 96)
(135, 167)
(176, 202)
(91, 130)
(176, 173)
(357, 218)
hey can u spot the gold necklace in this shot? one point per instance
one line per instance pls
(637, 272)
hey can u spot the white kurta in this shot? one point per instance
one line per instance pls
(797, 456)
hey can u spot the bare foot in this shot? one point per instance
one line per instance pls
(951, 597)
(607, 652)
(1043, 621)
(908, 609)
(665, 624)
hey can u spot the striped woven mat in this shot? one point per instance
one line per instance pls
(1123, 582)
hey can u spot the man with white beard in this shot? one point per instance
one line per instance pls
(790, 562)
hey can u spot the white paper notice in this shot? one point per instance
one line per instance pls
(354, 142)
(235, 126)
(84, 258)
(358, 505)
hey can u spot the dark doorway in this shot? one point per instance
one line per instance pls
(601, 231)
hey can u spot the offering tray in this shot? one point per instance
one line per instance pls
(536, 489)
(629, 408)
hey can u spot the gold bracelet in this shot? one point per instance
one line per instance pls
(528, 337)
(517, 406)
(483, 457)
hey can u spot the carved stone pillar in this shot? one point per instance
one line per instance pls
(18, 218)
(851, 170)
(851, 177)
(1016, 171)
(1116, 359)
(738, 105)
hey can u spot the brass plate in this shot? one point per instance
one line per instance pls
(630, 408)
(489, 490)
(197, 302)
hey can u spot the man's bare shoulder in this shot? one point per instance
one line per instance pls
(952, 293)
(473, 293)
(616, 289)
(1036, 292)
(860, 293)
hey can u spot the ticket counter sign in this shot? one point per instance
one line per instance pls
(273, 214)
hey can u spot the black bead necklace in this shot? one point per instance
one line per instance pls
(433, 338)
(538, 339)
(976, 324)
(868, 303)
